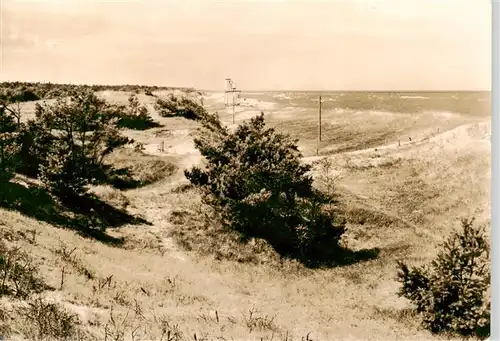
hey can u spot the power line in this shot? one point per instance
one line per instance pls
(230, 88)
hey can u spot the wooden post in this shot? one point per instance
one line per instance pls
(233, 107)
(319, 118)
(319, 127)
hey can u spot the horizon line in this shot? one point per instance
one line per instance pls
(247, 90)
(351, 90)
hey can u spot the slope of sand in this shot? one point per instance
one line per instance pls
(403, 199)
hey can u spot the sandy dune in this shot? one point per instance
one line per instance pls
(410, 195)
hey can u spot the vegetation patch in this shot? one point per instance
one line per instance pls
(68, 142)
(18, 94)
(173, 106)
(43, 320)
(200, 231)
(452, 292)
(255, 180)
(133, 168)
(65, 148)
(252, 200)
(134, 116)
(18, 273)
(32, 91)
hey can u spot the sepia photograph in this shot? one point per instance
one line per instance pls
(287, 170)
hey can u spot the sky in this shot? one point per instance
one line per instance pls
(425, 45)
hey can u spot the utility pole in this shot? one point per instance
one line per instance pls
(233, 108)
(319, 127)
(230, 88)
(319, 118)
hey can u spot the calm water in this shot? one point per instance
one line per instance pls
(469, 103)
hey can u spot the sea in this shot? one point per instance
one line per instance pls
(474, 103)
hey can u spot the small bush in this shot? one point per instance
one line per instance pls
(327, 178)
(43, 320)
(25, 96)
(18, 273)
(21, 94)
(139, 146)
(451, 293)
(54, 93)
(134, 116)
(173, 106)
(255, 321)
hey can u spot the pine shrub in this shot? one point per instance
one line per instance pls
(8, 144)
(452, 292)
(256, 179)
(83, 133)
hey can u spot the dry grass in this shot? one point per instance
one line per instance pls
(144, 169)
(403, 200)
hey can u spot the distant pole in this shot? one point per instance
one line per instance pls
(319, 118)
(233, 107)
(230, 88)
(319, 127)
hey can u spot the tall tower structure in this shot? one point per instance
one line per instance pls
(231, 94)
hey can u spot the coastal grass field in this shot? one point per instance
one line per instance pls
(408, 167)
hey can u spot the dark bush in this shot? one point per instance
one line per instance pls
(83, 133)
(35, 142)
(452, 292)
(256, 179)
(25, 96)
(8, 144)
(134, 116)
(21, 94)
(173, 106)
